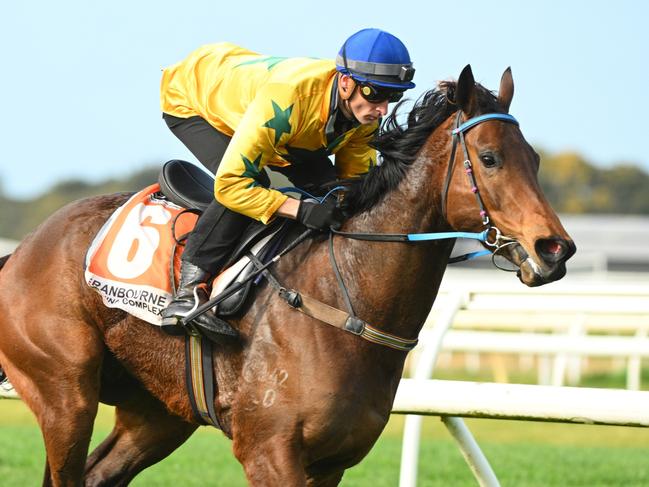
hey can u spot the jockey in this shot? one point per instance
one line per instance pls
(239, 112)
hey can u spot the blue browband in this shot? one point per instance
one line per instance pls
(505, 117)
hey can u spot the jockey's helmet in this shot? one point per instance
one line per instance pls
(376, 57)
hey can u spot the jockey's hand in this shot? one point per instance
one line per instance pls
(320, 216)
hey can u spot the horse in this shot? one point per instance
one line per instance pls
(301, 400)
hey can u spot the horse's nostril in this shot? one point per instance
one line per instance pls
(551, 247)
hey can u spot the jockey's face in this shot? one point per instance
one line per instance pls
(366, 112)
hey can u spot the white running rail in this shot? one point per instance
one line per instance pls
(584, 405)
(612, 308)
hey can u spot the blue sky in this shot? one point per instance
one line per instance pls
(80, 79)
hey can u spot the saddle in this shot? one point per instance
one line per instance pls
(190, 187)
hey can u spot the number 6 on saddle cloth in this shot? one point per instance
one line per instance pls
(129, 262)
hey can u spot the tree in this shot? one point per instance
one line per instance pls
(572, 185)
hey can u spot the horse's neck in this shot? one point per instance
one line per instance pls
(395, 284)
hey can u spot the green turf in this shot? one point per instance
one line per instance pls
(521, 453)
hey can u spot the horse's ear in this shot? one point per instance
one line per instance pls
(465, 96)
(506, 91)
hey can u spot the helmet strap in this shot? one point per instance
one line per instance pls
(349, 109)
(344, 96)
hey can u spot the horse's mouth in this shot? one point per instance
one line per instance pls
(532, 275)
(530, 272)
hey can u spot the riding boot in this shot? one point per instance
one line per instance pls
(6, 388)
(191, 293)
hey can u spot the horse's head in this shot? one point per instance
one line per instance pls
(505, 169)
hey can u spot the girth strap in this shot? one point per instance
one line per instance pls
(199, 378)
(334, 316)
(338, 318)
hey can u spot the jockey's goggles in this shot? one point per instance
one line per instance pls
(378, 94)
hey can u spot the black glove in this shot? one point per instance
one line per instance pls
(320, 216)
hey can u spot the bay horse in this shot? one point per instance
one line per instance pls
(301, 400)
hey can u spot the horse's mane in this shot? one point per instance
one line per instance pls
(399, 145)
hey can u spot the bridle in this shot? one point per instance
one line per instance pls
(457, 134)
(491, 236)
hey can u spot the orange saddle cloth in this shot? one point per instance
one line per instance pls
(128, 262)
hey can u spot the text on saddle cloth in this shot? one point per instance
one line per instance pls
(129, 259)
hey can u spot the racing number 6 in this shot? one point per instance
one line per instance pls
(132, 252)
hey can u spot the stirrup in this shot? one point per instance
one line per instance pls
(207, 324)
(217, 331)
(172, 326)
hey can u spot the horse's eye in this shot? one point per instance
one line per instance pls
(488, 160)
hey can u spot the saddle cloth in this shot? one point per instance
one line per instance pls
(129, 260)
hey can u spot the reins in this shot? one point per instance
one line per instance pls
(490, 237)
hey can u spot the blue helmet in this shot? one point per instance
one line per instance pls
(377, 57)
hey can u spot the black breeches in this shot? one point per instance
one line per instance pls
(214, 237)
(203, 140)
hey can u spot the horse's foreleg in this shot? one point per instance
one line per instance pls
(144, 434)
(271, 461)
(59, 381)
(67, 422)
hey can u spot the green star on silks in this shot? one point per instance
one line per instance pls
(271, 60)
(252, 170)
(279, 123)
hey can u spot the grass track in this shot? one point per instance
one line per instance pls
(522, 454)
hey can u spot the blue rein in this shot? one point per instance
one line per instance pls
(481, 237)
(419, 237)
